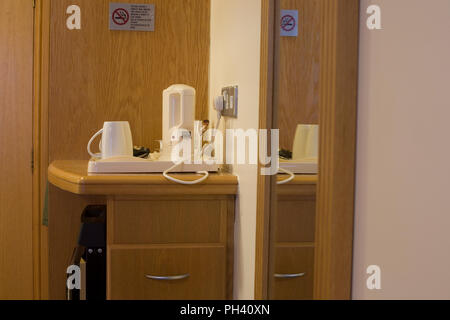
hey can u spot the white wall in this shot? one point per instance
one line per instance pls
(235, 60)
(403, 166)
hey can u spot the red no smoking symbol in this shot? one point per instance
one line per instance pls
(288, 23)
(120, 16)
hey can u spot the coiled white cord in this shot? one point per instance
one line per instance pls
(166, 175)
(218, 106)
(291, 176)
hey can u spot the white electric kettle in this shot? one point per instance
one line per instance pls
(178, 116)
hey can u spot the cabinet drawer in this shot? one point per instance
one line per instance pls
(167, 221)
(167, 274)
(295, 220)
(294, 273)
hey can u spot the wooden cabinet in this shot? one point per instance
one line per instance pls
(292, 275)
(164, 240)
(172, 247)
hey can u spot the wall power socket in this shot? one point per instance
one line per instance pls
(231, 101)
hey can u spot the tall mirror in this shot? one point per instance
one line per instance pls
(296, 102)
(299, 256)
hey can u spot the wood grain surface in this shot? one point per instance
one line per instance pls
(298, 68)
(336, 186)
(205, 266)
(41, 139)
(294, 239)
(167, 222)
(97, 75)
(296, 218)
(315, 76)
(72, 176)
(267, 120)
(16, 116)
(64, 229)
(166, 236)
(293, 259)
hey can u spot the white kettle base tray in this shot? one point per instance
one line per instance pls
(300, 166)
(142, 166)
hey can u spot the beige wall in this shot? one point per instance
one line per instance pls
(235, 58)
(403, 174)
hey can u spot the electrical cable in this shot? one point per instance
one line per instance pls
(291, 176)
(166, 175)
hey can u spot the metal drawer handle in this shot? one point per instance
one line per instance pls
(168, 278)
(290, 276)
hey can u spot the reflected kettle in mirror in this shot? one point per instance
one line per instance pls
(116, 141)
(306, 142)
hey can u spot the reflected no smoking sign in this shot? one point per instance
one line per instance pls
(289, 23)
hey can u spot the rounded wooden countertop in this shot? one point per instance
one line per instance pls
(72, 176)
(302, 185)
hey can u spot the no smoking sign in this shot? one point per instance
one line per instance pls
(131, 17)
(120, 16)
(289, 23)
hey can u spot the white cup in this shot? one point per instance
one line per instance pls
(306, 142)
(116, 141)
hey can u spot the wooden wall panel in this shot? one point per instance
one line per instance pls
(16, 92)
(298, 66)
(97, 75)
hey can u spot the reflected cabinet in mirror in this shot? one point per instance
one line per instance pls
(305, 218)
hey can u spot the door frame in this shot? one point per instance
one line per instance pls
(40, 145)
(338, 121)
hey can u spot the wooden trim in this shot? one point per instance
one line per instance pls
(40, 145)
(166, 197)
(109, 241)
(110, 221)
(265, 183)
(223, 221)
(45, 67)
(338, 105)
(166, 246)
(155, 197)
(336, 187)
(36, 152)
(76, 172)
(231, 218)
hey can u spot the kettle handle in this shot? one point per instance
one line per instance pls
(182, 111)
(94, 155)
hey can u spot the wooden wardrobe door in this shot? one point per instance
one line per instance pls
(16, 89)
